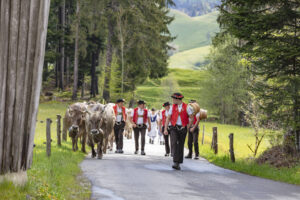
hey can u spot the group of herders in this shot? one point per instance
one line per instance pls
(174, 122)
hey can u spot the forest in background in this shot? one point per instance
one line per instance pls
(116, 49)
(105, 47)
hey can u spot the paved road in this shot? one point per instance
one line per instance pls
(136, 177)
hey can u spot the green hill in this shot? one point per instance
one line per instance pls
(193, 32)
(190, 59)
(156, 92)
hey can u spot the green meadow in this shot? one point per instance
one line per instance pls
(190, 59)
(244, 157)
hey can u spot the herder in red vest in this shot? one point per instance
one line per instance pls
(193, 136)
(121, 116)
(181, 117)
(139, 119)
(162, 122)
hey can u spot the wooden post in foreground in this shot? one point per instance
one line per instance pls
(48, 136)
(203, 134)
(58, 130)
(215, 140)
(23, 29)
(231, 150)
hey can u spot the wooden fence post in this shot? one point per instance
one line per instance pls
(231, 150)
(215, 139)
(203, 134)
(58, 130)
(48, 136)
(298, 140)
(64, 133)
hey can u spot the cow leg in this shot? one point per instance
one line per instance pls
(73, 144)
(76, 143)
(93, 150)
(83, 143)
(99, 150)
(111, 144)
(105, 145)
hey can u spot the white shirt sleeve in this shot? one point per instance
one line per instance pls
(189, 110)
(169, 113)
(132, 113)
(198, 114)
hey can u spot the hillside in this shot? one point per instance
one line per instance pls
(190, 59)
(193, 32)
(196, 7)
(156, 92)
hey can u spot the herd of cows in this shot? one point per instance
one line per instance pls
(93, 123)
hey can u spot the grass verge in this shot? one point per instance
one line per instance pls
(243, 164)
(57, 177)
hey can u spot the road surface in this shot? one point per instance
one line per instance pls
(135, 177)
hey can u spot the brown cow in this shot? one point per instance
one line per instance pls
(107, 126)
(74, 121)
(95, 133)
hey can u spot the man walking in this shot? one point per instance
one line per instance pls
(139, 119)
(181, 117)
(193, 136)
(121, 116)
(167, 137)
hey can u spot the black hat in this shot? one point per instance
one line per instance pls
(193, 101)
(166, 104)
(141, 102)
(120, 100)
(177, 96)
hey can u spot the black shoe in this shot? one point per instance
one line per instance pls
(143, 153)
(196, 157)
(176, 166)
(189, 156)
(117, 151)
(121, 151)
(166, 155)
(136, 152)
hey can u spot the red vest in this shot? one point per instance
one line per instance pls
(135, 115)
(123, 111)
(163, 117)
(195, 120)
(183, 115)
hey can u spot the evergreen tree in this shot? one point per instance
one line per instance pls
(269, 34)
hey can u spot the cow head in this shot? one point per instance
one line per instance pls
(94, 120)
(77, 115)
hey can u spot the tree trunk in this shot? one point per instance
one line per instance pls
(62, 17)
(75, 86)
(93, 76)
(56, 72)
(106, 89)
(23, 26)
(68, 70)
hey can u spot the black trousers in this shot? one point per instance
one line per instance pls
(119, 129)
(167, 140)
(193, 139)
(178, 143)
(137, 131)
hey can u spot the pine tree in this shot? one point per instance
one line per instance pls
(270, 36)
